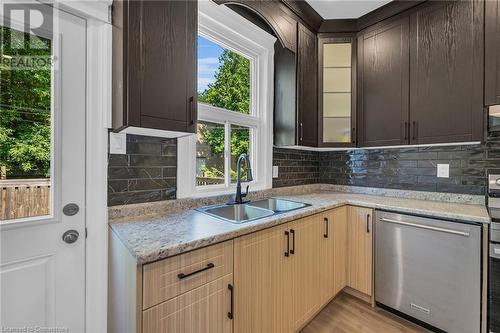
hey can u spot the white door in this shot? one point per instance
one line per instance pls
(42, 276)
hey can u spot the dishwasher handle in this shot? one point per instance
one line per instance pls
(427, 227)
(495, 251)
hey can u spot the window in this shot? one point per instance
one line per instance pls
(224, 84)
(235, 76)
(25, 124)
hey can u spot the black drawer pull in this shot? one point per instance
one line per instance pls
(230, 313)
(183, 276)
(292, 250)
(287, 252)
(325, 235)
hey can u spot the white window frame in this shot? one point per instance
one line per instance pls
(228, 29)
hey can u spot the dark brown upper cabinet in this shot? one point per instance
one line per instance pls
(295, 92)
(277, 15)
(492, 53)
(307, 87)
(383, 84)
(154, 57)
(337, 90)
(446, 72)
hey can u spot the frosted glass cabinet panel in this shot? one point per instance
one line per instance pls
(337, 55)
(337, 130)
(336, 92)
(337, 105)
(336, 80)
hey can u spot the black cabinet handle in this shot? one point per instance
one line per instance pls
(406, 131)
(287, 252)
(191, 110)
(368, 223)
(325, 235)
(414, 135)
(292, 250)
(301, 132)
(230, 313)
(183, 276)
(353, 135)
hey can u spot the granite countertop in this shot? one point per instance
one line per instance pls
(155, 238)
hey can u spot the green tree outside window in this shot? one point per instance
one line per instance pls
(230, 91)
(25, 97)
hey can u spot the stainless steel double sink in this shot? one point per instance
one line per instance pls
(241, 213)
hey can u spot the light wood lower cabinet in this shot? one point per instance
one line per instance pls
(205, 309)
(333, 254)
(360, 249)
(302, 271)
(260, 282)
(173, 276)
(282, 276)
(339, 249)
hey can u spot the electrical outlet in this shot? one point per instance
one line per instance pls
(117, 143)
(443, 170)
(275, 171)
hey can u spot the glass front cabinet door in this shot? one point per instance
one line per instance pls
(337, 100)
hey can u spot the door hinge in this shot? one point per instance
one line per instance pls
(86, 233)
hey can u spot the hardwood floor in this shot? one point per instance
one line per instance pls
(347, 314)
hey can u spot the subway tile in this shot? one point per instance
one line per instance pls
(125, 198)
(169, 149)
(434, 163)
(150, 184)
(419, 156)
(115, 186)
(461, 155)
(117, 160)
(152, 160)
(134, 172)
(143, 148)
(169, 172)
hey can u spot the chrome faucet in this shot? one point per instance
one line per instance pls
(238, 198)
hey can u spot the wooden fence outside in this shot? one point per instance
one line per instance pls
(208, 181)
(24, 198)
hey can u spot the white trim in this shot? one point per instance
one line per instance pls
(98, 111)
(88, 9)
(232, 31)
(381, 147)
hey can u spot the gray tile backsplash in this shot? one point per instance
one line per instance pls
(295, 167)
(414, 168)
(147, 172)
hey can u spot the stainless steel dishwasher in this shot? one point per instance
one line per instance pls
(429, 270)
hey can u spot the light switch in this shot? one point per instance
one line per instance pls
(275, 171)
(443, 170)
(117, 143)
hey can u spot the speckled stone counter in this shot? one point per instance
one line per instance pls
(157, 237)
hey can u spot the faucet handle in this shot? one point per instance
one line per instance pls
(246, 193)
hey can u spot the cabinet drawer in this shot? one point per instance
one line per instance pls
(162, 280)
(202, 310)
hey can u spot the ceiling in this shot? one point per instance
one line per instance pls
(344, 9)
